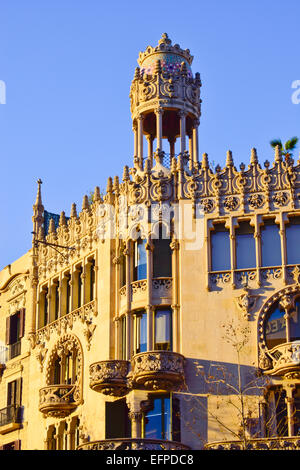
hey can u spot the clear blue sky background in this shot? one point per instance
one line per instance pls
(68, 65)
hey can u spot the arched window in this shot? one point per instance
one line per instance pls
(281, 327)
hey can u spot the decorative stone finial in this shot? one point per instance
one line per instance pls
(278, 154)
(51, 226)
(109, 186)
(38, 202)
(157, 69)
(96, 196)
(73, 210)
(85, 203)
(205, 163)
(62, 219)
(253, 158)
(116, 183)
(229, 159)
(126, 176)
(165, 40)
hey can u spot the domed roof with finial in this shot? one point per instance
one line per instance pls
(170, 56)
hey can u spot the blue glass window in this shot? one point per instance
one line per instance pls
(292, 231)
(275, 329)
(140, 332)
(270, 244)
(158, 422)
(245, 246)
(220, 248)
(163, 330)
(294, 322)
(140, 260)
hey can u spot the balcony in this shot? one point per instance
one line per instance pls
(132, 444)
(10, 419)
(161, 293)
(158, 370)
(58, 400)
(109, 377)
(268, 443)
(285, 358)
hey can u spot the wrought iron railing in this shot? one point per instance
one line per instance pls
(10, 414)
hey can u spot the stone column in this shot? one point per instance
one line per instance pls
(195, 142)
(191, 152)
(175, 295)
(140, 140)
(149, 308)
(182, 116)
(172, 141)
(127, 252)
(135, 139)
(290, 408)
(159, 116)
(150, 148)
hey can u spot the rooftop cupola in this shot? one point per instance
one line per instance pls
(165, 103)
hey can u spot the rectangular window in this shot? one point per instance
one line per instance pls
(292, 230)
(140, 332)
(15, 325)
(220, 248)
(270, 244)
(123, 338)
(162, 257)
(163, 330)
(245, 246)
(162, 421)
(140, 260)
(117, 423)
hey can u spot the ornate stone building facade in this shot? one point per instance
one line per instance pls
(164, 314)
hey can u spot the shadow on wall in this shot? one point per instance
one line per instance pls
(213, 390)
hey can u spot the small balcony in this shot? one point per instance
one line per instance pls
(109, 377)
(58, 400)
(158, 370)
(10, 419)
(133, 444)
(268, 443)
(285, 358)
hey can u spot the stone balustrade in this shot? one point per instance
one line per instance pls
(157, 370)
(58, 400)
(109, 377)
(132, 444)
(285, 358)
(270, 443)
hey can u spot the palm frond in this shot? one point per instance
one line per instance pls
(276, 142)
(291, 144)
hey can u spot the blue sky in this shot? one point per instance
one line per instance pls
(68, 65)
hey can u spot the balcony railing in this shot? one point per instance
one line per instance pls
(58, 400)
(109, 377)
(10, 418)
(268, 443)
(158, 370)
(132, 444)
(285, 358)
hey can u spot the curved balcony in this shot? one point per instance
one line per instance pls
(132, 444)
(285, 358)
(58, 400)
(157, 370)
(109, 377)
(268, 443)
(161, 292)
